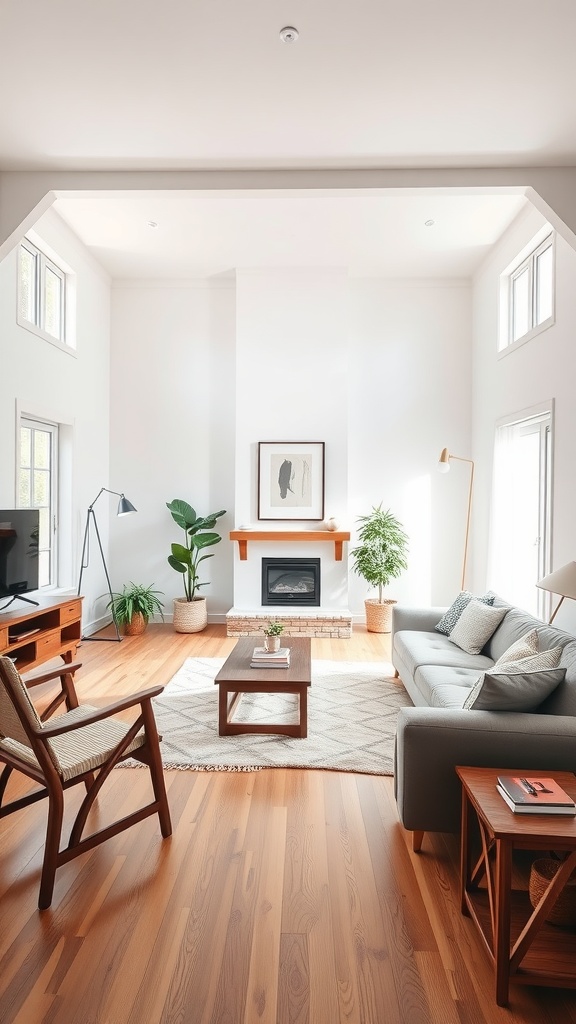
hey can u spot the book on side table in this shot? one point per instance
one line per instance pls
(534, 795)
(261, 658)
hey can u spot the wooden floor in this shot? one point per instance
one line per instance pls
(286, 896)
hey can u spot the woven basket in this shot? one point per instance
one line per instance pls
(136, 626)
(190, 616)
(378, 616)
(563, 912)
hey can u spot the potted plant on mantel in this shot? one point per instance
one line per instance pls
(379, 558)
(134, 606)
(190, 611)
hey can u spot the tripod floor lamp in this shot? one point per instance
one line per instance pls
(444, 467)
(125, 508)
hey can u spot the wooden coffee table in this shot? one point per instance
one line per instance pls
(523, 947)
(236, 677)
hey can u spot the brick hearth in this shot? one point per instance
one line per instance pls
(307, 622)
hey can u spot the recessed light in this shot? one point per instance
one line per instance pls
(289, 34)
(152, 223)
(429, 223)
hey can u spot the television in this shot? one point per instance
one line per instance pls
(19, 535)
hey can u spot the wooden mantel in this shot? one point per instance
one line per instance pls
(243, 536)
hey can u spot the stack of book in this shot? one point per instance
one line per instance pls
(534, 795)
(261, 658)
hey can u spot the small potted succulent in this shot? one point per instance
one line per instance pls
(132, 608)
(272, 635)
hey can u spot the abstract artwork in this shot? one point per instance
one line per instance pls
(291, 480)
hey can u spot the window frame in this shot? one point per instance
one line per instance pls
(43, 262)
(528, 262)
(46, 426)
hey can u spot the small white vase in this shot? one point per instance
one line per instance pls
(332, 524)
(272, 644)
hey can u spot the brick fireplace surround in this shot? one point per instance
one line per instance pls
(310, 621)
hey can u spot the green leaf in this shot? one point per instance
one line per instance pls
(182, 513)
(205, 540)
(176, 564)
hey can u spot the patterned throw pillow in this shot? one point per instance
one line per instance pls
(475, 626)
(523, 648)
(519, 685)
(450, 618)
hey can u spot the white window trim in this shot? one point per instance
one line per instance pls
(67, 301)
(529, 253)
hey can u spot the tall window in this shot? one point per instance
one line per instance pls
(521, 538)
(37, 488)
(530, 294)
(41, 292)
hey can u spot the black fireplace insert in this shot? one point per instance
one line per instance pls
(293, 581)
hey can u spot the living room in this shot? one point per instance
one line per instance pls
(285, 895)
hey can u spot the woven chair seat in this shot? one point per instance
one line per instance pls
(83, 750)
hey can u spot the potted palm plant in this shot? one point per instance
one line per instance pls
(133, 607)
(379, 558)
(190, 613)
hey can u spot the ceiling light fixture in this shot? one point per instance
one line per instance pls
(152, 223)
(429, 223)
(289, 34)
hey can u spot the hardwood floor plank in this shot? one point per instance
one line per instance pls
(290, 896)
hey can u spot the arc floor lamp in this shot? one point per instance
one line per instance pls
(562, 582)
(444, 467)
(125, 508)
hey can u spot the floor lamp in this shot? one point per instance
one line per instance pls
(444, 467)
(563, 582)
(125, 508)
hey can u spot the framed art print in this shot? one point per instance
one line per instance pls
(291, 480)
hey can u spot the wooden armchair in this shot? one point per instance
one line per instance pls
(81, 745)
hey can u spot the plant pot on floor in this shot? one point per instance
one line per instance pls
(378, 615)
(136, 626)
(190, 616)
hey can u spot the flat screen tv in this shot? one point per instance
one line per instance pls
(19, 532)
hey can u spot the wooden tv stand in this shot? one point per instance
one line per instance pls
(52, 629)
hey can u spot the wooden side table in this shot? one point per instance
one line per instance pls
(523, 947)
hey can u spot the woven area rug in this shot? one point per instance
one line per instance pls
(352, 710)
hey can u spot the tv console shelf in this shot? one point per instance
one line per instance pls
(31, 636)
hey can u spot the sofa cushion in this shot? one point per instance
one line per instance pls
(523, 648)
(475, 626)
(451, 616)
(415, 648)
(513, 691)
(443, 687)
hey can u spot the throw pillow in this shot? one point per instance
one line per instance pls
(476, 625)
(450, 617)
(523, 648)
(513, 691)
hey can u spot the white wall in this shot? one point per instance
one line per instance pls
(172, 416)
(540, 370)
(70, 388)
(291, 385)
(409, 397)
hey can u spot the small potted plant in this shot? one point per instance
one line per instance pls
(132, 608)
(272, 635)
(190, 612)
(379, 558)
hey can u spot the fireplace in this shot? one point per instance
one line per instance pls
(291, 581)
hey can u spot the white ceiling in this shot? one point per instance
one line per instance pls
(202, 234)
(208, 83)
(205, 84)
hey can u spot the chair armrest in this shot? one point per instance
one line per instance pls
(54, 673)
(60, 726)
(430, 742)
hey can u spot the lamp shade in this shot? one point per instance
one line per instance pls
(562, 581)
(125, 507)
(444, 461)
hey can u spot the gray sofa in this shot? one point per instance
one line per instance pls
(438, 733)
